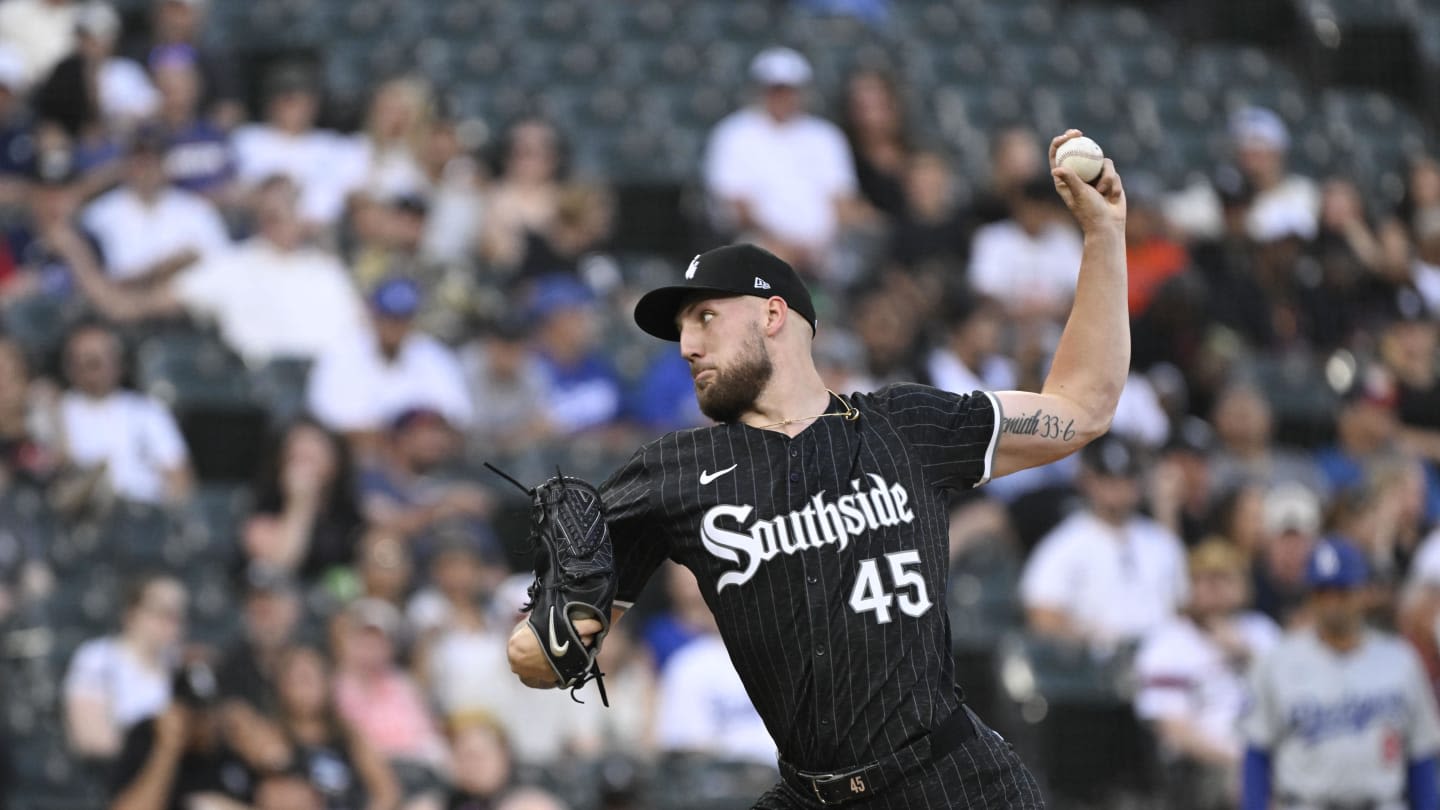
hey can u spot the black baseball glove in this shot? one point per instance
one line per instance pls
(574, 576)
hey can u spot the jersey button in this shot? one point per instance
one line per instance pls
(794, 452)
(819, 650)
(812, 579)
(824, 721)
(795, 476)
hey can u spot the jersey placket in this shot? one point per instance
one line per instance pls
(805, 481)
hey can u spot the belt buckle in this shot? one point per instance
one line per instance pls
(856, 784)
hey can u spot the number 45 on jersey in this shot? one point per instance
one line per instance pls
(907, 587)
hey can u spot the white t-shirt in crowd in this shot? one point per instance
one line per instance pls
(1115, 583)
(949, 373)
(1139, 413)
(1183, 673)
(133, 435)
(135, 236)
(270, 303)
(126, 91)
(327, 166)
(703, 706)
(41, 33)
(353, 388)
(790, 173)
(105, 668)
(1017, 268)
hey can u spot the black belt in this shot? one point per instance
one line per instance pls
(838, 787)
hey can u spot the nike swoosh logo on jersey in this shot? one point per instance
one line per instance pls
(706, 477)
(557, 649)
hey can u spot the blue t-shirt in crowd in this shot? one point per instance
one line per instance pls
(200, 158)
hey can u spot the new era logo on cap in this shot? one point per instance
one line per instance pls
(761, 284)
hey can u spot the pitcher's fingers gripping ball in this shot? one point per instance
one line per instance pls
(574, 577)
(1082, 156)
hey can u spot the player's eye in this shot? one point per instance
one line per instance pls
(706, 316)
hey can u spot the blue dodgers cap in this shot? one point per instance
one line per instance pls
(741, 269)
(558, 293)
(1335, 563)
(396, 298)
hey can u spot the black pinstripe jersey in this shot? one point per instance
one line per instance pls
(824, 558)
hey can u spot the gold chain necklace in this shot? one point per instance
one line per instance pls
(851, 413)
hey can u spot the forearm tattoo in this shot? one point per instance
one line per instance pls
(1039, 424)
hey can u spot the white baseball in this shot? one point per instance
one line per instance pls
(1082, 156)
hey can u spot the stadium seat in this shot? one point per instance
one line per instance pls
(191, 369)
(279, 386)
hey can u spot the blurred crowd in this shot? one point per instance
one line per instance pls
(452, 298)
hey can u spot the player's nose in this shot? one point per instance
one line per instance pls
(690, 345)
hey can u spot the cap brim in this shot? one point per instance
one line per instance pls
(656, 310)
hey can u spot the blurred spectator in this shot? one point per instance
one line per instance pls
(546, 727)
(460, 586)
(41, 31)
(375, 696)
(147, 230)
(181, 757)
(1291, 521)
(116, 681)
(481, 763)
(359, 388)
(664, 398)
(310, 304)
(1422, 192)
(179, 25)
(26, 454)
(1339, 693)
(1139, 414)
(1105, 575)
(506, 380)
(583, 390)
(128, 438)
(1181, 491)
(1283, 202)
(1409, 349)
(687, 619)
(307, 516)
(970, 357)
(584, 215)
(92, 85)
(1244, 425)
(872, 12)
(778, 176)
(385, 569)
(1152, 256)
(628, 726)
(701, 704)
(198, 157)
(1365, 427)
(1191, 678)
(874, 120)
(272, 611)
(523, 201)
(456, 180)
(403, 491)
(1016, 158)
(1030, 261)
(1385, 518)
(460, 646)
(884, 322)
(17, 144)
(42, 248)
(396, 130)
(931, 230)
(338, 756)
(1227, 263)
(322, 164)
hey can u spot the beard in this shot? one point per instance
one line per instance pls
(734, 389)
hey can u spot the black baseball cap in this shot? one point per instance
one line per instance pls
(741, 269)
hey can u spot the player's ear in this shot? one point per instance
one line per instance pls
(776, 313)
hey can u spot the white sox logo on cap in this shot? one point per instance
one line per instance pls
(694, 265)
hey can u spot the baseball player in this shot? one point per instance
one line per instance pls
(1339, 717)
(816, 523)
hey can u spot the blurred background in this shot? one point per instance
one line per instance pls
(277, 276)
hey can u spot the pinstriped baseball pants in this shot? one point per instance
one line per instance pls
(982, 774)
